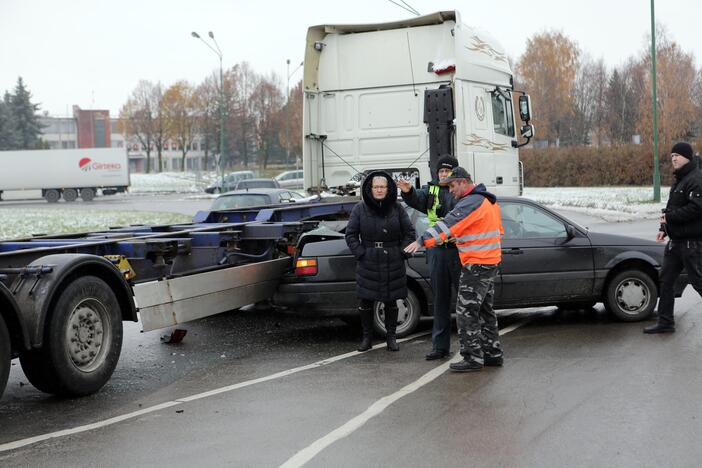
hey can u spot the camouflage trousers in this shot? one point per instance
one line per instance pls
(475, 317)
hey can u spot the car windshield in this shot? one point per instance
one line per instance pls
(243, 200)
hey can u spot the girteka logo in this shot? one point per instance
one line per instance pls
(87, 164)
(84, 164)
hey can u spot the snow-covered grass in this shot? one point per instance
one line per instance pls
(609, 203)
(23, 222)
(179, 182)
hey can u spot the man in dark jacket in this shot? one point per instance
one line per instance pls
(681, 222)
(444, 265)
(377, 231)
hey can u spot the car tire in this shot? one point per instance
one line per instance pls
(5, 355)
(82, 341)
(409, 312)
(631, 295)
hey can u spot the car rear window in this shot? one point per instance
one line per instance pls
(243, 200)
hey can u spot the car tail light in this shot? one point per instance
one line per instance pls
(305, 267)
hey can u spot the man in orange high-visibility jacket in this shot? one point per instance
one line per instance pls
(474, 225)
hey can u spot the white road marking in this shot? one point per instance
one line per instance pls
(312, 450)
(117, 419)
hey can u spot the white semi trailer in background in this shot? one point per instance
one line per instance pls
(65, 173)
(396, 96)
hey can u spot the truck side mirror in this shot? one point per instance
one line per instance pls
(525, 107)
(527, 131)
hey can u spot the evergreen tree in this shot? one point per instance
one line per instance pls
(8, 133)
(24, 114)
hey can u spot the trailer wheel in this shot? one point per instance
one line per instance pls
(52, 195)
(82, 341)
(5, 355)
(70, 194)
(87, 194)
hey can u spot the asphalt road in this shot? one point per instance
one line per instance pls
(264, 388)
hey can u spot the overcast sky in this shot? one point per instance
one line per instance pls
(93, 52)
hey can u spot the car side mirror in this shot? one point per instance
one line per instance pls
(570, 231)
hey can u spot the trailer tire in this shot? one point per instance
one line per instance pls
(70, 194)
(82, 341)
(52, 195)
(87, 194)
(5, 355)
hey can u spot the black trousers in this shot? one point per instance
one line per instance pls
(678, 255)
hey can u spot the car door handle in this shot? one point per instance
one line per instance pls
(512, 252)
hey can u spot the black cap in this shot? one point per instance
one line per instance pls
(446, 162)
(457, 173)
(683, 149)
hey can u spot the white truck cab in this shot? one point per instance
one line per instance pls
(398, 95)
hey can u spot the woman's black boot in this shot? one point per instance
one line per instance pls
(390, 328)
(366, 328)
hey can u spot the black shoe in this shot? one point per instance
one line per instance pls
(436, 354)
(465, 366)
(493, 361)
(658, 328)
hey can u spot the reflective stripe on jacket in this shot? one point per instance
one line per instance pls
(474, 225)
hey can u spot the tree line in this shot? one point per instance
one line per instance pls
(19, 120)
(254, 109)
(579, 101)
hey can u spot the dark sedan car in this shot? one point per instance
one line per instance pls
(546, 260)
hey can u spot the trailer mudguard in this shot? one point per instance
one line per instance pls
(36, 291)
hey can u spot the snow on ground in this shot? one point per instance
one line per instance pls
(17, 223)
(179, 182)
(613, 204)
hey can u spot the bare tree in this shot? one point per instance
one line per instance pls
(138, 117)
(180, 115)
(267, 102)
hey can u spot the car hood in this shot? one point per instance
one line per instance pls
(604, 239)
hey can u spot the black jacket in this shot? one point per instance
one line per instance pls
(380, 271)
(421, 201)
(683, 212)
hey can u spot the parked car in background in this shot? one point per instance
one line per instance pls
(230, 180)
(253, 184)
(291, 179)
(547, 260)
(254, 197)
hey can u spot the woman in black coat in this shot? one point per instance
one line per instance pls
(378, 231)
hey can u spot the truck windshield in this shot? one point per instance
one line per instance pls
(502, 116)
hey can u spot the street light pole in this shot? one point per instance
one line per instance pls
(218, 52)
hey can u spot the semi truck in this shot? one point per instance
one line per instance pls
(67, 174)
(63, 298)
(398, 95)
